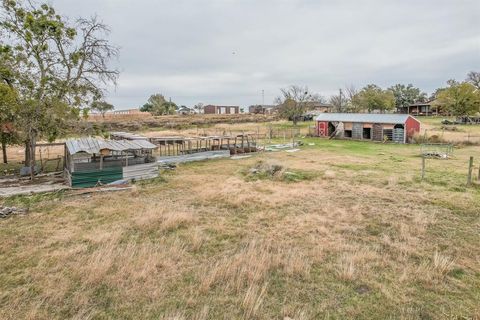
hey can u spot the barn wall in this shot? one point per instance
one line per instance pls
(210, 109)
(412, 127)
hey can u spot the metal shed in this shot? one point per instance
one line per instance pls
(398, 128)
(92, 161)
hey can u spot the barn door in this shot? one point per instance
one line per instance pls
(357, 130)
(377, 132)
(398, 134)
(322, 129)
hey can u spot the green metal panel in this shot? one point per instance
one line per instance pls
(86, 179)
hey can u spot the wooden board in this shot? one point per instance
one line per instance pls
(377, 132)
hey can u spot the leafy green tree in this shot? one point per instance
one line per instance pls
(372, 98)
(56, 66)
(102, 107)
(8, 110)
(405, 95)
(159, 106)
(459, 98)
(294, 101)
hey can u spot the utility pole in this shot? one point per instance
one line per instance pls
(263, 97)
(340, 102)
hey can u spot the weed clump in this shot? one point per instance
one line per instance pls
(269, 170)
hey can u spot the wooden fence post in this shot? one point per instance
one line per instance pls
(423, 167)
(470, 168)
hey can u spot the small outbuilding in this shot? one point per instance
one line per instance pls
(92, 161)
(398, 128)
(211, 109)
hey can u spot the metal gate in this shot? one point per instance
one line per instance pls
(377, 132)
(398, 135)
(357, 131)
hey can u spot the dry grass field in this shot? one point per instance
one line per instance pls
(354, 234)
(467, 134)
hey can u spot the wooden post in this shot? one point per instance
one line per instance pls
(423, 167)
(478, 178)
(64, 156)
(470, 168)
(293, 139)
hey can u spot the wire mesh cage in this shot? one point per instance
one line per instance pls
(437, 150)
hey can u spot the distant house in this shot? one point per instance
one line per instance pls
(313, 110)
(185, 110)
(398, 128)
(262, 109)
(211, 109)
(127, 111)
(421, 109)
(319, 106)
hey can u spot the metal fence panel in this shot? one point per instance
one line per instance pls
(357, 130)
(86, 179)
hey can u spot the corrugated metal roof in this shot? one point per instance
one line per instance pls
(94, 145)
(128, 135)
(364, 117)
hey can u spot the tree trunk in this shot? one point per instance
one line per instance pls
(27, 153)
(30, 146)
(4, 151)
(32, 157)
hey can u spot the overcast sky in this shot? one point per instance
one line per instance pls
(228, 51)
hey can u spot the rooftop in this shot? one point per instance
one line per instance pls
(94, 145)
(364, 117)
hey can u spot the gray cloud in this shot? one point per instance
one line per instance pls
(227, 51)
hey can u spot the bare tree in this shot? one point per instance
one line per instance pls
(198, 107)
(343, 101)
(474, 78)
(294, 101)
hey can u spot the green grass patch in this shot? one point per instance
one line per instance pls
(28, 201)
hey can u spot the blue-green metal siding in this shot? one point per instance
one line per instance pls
(86, 179)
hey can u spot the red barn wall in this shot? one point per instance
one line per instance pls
(412, 127)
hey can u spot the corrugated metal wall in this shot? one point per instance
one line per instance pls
(141, 171)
